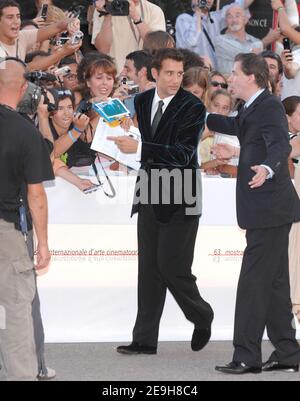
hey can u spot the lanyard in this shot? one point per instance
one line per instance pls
(6, 52)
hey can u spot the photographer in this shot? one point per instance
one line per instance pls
(198, 30)
(121, 35)
(16, 43)
(23, 159)
(137, 69)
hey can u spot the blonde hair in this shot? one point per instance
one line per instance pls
(54, 14)
(217, 93)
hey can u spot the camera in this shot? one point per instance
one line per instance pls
(63, 71)
(84, 107)
(133, 89)
(203, 5)
(77, 37)
(170, 28)
(31, 100)
(117, 8)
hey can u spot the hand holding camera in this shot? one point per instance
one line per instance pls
(115, 8)
(42, 109)
(68, 48)
(81, 121)
(40, 22)
(74, 26)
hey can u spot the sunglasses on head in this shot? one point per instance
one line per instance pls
(221, 84)
(66, 92)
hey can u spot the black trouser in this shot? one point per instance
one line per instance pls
(166, 253)
(263, 299)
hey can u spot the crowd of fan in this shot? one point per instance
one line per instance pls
(64, 80)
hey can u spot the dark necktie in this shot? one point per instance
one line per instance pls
(157, 118)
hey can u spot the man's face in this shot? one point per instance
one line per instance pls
(236, 19)
(70, 80)
(239, 82)
(169, 78)
(130, 71)
(273, 68)
(10, 22)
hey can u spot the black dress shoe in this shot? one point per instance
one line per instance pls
(200, 338)
(238, 368)
(136, 349)
(279, 367)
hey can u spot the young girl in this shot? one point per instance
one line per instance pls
(220, 102)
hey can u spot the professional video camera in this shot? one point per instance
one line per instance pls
(36, 76)
(117, 8)
(31, 100)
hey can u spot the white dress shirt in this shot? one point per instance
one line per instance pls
(154, 109)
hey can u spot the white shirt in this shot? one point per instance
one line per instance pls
(155, 104)
(229, 46)
(154, 109)
(253, 98)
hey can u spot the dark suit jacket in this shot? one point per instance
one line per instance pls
(173, 148)
(262, 130)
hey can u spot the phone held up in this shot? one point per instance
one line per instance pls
(44, 11)
(286, 44)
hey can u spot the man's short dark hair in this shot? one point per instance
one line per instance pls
(253, 64)
(8, 3)
(166, 54)
(274, 56)
(142, 59)
(67, 61)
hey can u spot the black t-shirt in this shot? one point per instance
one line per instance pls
(24, 158)
(79, 154)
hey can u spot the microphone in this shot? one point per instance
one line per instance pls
(40, 76)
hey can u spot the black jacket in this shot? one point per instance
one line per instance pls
(174, 149)
(262, 130)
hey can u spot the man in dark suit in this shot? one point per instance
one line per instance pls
(267, 205)
(168, 200)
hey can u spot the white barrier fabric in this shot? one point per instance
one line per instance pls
(89, 294)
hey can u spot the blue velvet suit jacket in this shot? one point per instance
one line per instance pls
(173, 148)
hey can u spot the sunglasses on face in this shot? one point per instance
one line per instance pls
(216, 84)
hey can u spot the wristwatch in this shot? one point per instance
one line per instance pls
(138, 22)
(103, 13)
